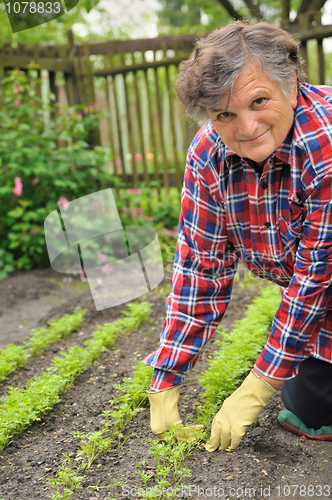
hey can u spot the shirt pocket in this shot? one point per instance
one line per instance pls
(290, 235)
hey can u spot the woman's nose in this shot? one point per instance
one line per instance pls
(247, 127)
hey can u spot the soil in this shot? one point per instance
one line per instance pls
(268, 459)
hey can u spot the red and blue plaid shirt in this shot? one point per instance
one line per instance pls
(279, 224)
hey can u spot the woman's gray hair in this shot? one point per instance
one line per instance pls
(219, 58)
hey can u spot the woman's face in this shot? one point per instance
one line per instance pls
(255, 119)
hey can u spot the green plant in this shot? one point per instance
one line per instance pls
(92, 445)
(14, 357)
(45, 158)
(67, 479)
(238, 350)
(168, 456)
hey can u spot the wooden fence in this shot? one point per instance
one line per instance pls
(133, 80)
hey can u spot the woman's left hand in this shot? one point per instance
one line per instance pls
(238, 412)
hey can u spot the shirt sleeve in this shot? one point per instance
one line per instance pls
(306, 301)
(203, 272)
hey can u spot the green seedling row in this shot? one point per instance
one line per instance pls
(14, 356)
(24, 406)
(123, 409)
(238, 350)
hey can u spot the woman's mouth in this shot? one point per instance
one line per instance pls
(256, 138)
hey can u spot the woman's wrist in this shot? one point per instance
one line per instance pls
(273, 382)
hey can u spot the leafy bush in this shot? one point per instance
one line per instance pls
(45, 159)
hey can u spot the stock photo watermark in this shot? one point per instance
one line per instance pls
(24, 15)
(86, 236)
(232, 492)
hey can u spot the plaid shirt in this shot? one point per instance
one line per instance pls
(279, 224)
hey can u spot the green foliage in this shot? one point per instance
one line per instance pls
(24, 406)
(167, 456)
(67, 479)
(41, 338)
(45, 154)
(238, 350)
(14, 357)
(92, 445)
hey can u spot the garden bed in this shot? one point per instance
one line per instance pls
(268, 459)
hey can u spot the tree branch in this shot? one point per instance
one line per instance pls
(230, 9)
(308, 5)
(254, 9)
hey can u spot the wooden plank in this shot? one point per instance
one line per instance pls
(321, 62)
(161, 135)
(129, 128)
(152, 128)
(124, 69)
(173, 132)
(118, 124)
(140, 128)
(23, 62)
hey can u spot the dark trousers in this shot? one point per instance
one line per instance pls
(309, 394)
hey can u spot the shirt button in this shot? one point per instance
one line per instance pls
(264, 185)
(267, 224)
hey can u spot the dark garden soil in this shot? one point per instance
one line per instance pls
(268, 459)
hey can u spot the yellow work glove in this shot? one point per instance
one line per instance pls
(164, 414)
(237, 412)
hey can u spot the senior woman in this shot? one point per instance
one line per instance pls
(257, 188)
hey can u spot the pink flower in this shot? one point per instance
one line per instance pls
(79, 115)
(17, 102)
(110, 164)
(102, 256)
(137, 191)
(62, 201)
(138, 157)
(126, 209)
(118, 162)
(148, 218)
(138, 209)
(35, 180)
(129, 190)
(107, 237)
(93, 106)
(16, 90)
(170, 232)
(33, 231)
(18, 186)
(86, 111)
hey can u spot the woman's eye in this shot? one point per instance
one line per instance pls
(224, 115)
(260, 101)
